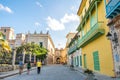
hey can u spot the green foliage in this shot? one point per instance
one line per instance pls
(32, 48)
(42, 57)
(5, 57)
(5, 51)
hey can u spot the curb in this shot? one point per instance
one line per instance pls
(15, 73)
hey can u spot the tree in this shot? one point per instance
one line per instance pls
(32, 49)
(5, 50)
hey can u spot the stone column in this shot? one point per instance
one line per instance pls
(34, 58)
(30, 57)
(53, 59)
(13, 59)
(23, 57)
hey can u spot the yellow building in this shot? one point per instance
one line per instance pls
(96, 49)
(60, 56)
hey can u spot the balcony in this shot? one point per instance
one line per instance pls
(112, 8)
(95, 32)
(72, 49)
(91, 7)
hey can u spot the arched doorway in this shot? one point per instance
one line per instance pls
(58, 60)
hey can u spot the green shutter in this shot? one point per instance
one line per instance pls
(93, 20)
(74, 61)
(77, 61)
(96, 60)
(4, 37)
(80, 60)
(82, 32)
(85, 65)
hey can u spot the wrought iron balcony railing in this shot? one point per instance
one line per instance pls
(72, 49)
(91, 35)
(112, 8)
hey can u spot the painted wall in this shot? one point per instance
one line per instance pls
(102, 45)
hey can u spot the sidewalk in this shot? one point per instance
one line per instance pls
(97, 76)
(10, 73)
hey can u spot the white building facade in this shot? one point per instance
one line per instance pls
(20, 39)
(45, 41)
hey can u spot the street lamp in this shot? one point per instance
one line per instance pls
(113, 37)
(109, 35)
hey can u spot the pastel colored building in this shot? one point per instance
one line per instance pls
(8, 33)
(74, 52)
(69, 37)
(91, 42)
(60, 56)
(45, 40)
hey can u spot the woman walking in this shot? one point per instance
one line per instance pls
(39, 64)
(20, 67)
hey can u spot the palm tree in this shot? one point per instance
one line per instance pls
(4, 49)
(20, 51)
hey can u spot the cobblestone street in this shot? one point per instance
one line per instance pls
(50, 72)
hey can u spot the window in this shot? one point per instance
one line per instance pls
(77, 60)
(80, 60)
(41, 44)
(96, 61)
(85, 61)
(4, 37)
(89, 2)
(93, 19)
(4, 30)
(82, 32)
(85, 11)
(82, 17)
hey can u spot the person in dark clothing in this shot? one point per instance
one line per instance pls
(28, 67)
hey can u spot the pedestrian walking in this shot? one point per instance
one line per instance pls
(21, 67)
(39, 64)
(28, 67)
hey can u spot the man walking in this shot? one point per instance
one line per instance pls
(39, 64)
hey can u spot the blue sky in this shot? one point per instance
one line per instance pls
(59, 17)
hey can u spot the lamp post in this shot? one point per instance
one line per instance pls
(116, 55)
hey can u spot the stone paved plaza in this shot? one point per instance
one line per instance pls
(50, 72)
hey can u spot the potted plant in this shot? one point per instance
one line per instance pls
(90, 75)
(87, 71)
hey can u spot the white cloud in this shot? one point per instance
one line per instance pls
(73, 8)
(37, 24)
(5, 8)
(60, 45)
(60, 24)
(47, 28)
(39, 4)
(55, 24)
(68, 18)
